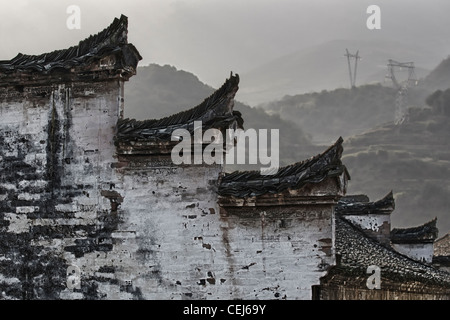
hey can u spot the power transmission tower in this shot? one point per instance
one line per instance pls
(352, 75)
(392, 65)
(401, 86)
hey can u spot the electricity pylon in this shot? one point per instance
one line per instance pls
(402, 87)
(352, 75)
(392, 64)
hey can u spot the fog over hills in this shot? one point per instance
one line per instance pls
(324, 67)
(439, 78)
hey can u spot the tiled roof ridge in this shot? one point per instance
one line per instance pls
(443, 237)
(216, 111)
(385, 204)
(426, 231)
(111, 39)
(314, 170)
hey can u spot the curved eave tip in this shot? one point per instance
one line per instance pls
(234, 77)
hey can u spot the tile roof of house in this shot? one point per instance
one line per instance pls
(442, 246)
(314, 170)
(350, 205)
(427, 232)
(357, 251)
(112, 40)
(216, 111)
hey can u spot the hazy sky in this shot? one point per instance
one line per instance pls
(213, 37)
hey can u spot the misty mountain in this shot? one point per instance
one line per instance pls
(346, 112)
(439, 78)
(160, 91)
(342, 112)
(324, 67)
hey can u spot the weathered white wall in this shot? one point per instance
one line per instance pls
(175, 244)
(286, 250)
(133, 227)
(417, 251)
(56, 153)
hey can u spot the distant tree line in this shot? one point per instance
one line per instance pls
(439, 101)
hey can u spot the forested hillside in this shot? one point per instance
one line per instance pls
(342, 112)
(412, 159)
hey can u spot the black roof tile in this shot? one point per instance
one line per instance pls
(357, 251)
(252, 183)
(351, 205)
(112, 39)
(215, 111)
(427, 232)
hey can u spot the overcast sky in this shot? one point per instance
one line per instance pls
(213, 37)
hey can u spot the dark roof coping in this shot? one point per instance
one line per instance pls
(354, 198)
(441, 260)
(383, 206)
(215, 111)
(427, 232)
(112, 40)
(243, 184)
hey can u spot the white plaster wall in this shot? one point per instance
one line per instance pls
(180, 247)
(82, 156)
(171, 241)
(417, 251)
